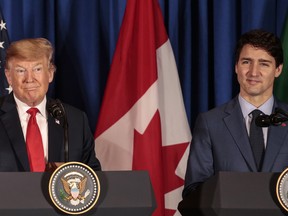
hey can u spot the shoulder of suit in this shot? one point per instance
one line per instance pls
(281, 104)
(225, 107)
(71, 108)
(1, 100)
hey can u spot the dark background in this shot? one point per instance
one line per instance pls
(203, 34)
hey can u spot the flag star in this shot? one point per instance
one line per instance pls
(2, 25)
(9, 89)
(1, 44)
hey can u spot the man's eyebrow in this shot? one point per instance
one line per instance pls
(265, 60)
(259, 60)
(37, 64)
(246, 58)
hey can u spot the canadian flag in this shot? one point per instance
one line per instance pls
(142, 123)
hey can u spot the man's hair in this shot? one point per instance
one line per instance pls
(30, 49)
(263, 40)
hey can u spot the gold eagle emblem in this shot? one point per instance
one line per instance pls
(74, 188)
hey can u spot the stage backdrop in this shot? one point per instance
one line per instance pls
(202, 34)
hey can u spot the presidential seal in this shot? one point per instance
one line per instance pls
(74, 188)
(282, 189)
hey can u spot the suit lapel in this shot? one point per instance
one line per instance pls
(236, 125)
(13, 127)
(55, 140)
(276, 138)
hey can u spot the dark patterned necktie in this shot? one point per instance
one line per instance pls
(257, 140)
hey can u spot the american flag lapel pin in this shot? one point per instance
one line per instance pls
(57, 121)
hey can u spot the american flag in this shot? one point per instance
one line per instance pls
(4, 43)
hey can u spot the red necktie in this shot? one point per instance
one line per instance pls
(34, 143)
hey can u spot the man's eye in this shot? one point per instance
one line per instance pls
(264, 64)
(20, 71)
(37, 69)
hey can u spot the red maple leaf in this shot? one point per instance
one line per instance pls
(172, 154)
(161, 162)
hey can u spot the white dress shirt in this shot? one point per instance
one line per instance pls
(41, 118)
(247, 108)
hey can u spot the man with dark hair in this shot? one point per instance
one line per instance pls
(226, 138)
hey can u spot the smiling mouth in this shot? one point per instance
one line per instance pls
(252, 81)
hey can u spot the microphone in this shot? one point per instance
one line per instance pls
(57, 111)
(275, 119)
(263, 121)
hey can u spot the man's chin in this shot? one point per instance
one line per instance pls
(33, 101)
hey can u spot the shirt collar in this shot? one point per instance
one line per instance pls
(22, 107)
(247, 108)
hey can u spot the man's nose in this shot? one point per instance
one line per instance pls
(254, 69)
(29, 75)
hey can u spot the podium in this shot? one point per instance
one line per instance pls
(126, 193)
(234, 194)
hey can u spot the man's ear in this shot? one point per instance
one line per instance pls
(235, 69)
(51, 73)
(278, 70)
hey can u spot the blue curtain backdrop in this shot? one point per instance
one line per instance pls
(203, 34)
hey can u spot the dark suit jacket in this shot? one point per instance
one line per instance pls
(220, 142)
(13, 155)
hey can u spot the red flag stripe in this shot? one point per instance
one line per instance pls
(133, 66)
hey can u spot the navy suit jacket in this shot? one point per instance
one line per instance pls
(220, 142)
(13, 155)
